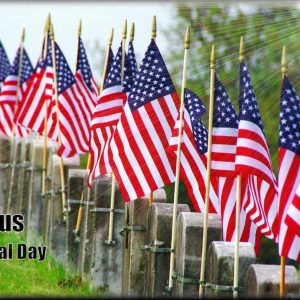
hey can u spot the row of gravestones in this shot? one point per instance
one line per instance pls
(136, 262)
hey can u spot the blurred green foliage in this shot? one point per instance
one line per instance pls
(265, 31)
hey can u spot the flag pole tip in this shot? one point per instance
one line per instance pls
(132, 31)
(79, 28)
(111, 37)
(51, 32)
(213, 57)
(241, 51)
(23, 35)
(124, 35)
(187, 38)
(284, 68)
(47, 23)
(153, 28)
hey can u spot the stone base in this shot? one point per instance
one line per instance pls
(220, 265)
(188, 250)
(158, 243)
(264, 280)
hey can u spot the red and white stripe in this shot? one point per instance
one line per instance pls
(31, 113)
(262, 206)
(76, 105)
(289, 204)
(248, 231)
(253, 159)
(223, 151)
(193, 168)
(141, 162)
(105, 118)
(223, 166)
(9, 102)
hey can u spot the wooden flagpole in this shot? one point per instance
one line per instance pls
(176, 191)
(284, 70)
(62, 177)
(153, 35)
(208, 168)
(237, 211)
(110, 241)
(80, 211)
(44, 169)
(13, 138)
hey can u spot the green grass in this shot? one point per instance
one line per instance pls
(34, 278)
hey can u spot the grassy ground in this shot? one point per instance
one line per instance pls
(33, 278)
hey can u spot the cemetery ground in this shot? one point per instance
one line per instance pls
(34, 278)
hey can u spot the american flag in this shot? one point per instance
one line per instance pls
(292, 236)
(85, 79)
(193, 155)
(253, 161)
(32, 112)
(73, 111)
(225, 132)
(289, 167)
(12, 95)
(4, 64)
(141, 163)
(105, 118)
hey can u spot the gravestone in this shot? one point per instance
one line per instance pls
(264, 280)
(107, 257)
(24, 178)
(158, 242)
(133, 276)
(13, 200)
(57, 224)
(34, 197)
(4, 171)
(220, 267)
(76, 179)
(189, 249)
(86, 235)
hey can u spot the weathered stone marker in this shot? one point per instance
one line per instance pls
(264, 280)
(220, 266)
(57, 224)
(158, 242)
(188, 250)
(133, 275)
(86, 236)
(107, 259)
(13, 202)
(76, 179)
(34, 201)
(24, 178)
(4, 171)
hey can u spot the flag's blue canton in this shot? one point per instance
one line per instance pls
(4, 63)
(15, 65)
(84, 66)
(289, 118)
(248, 106)
(110, 59)
(27, 68)
(196, 109)
(65, 77)
(224, 113)
(152, 81)
(130, 69)
(48, 60)
(114, 75)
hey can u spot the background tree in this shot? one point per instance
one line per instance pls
(265, 31)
